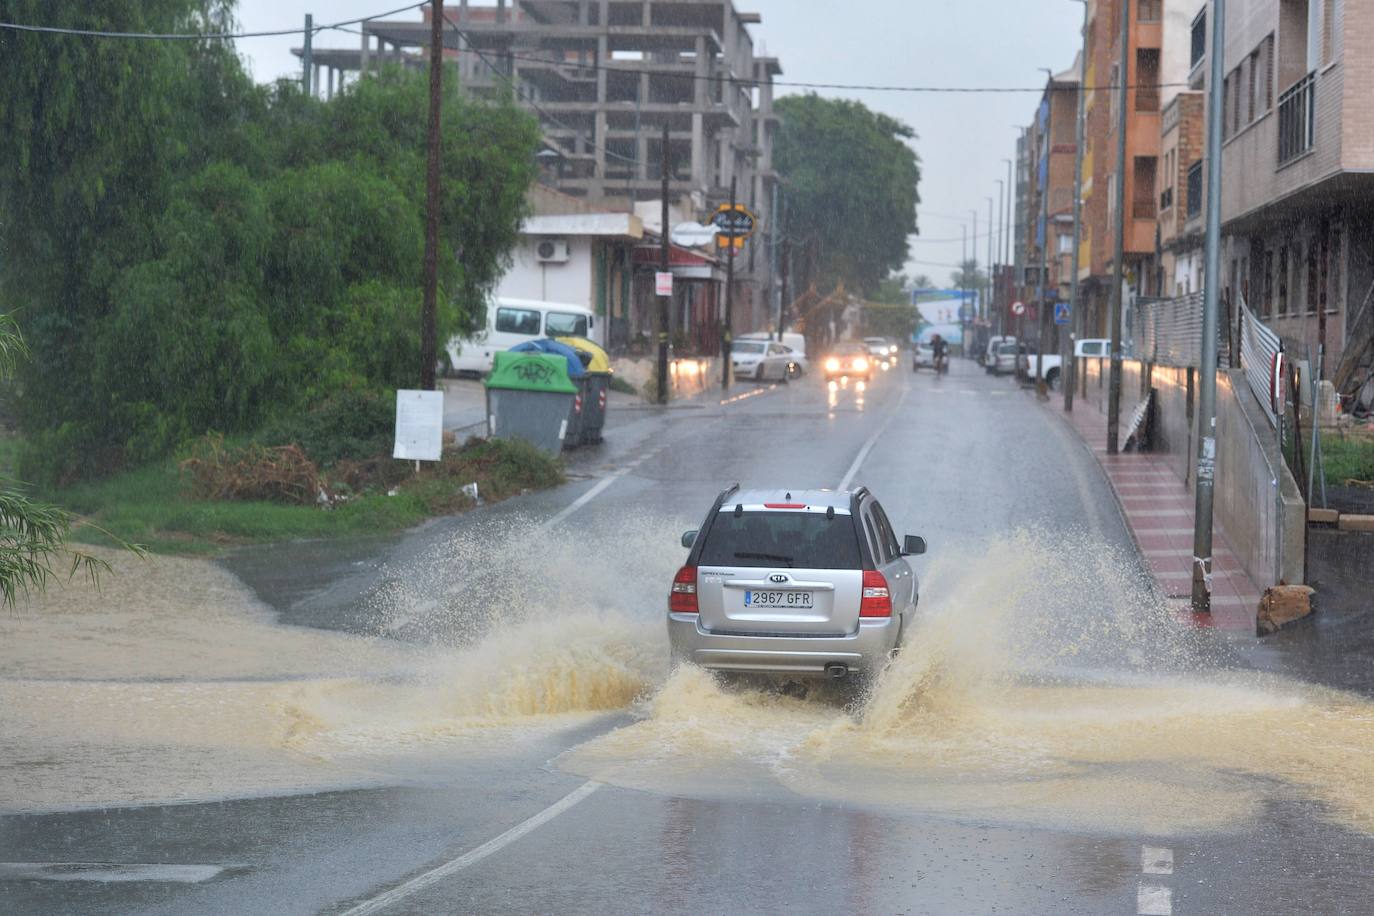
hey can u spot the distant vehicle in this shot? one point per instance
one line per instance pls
(761, 360)
(515, 321)
(1051, 365)
(1004, 360)
(790, 339)
(882, 349)
(848, 359)
(1093, 346)
(801, 582)
(989, 356)
(922, 356)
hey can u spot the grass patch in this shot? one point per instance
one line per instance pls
(156, 505)
(619, 384)
(1346, 456)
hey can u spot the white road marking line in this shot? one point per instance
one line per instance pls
(1152, 900)
(108, 871)
(872, 441)
(472, 857)
(1156, 860)
(587, 497)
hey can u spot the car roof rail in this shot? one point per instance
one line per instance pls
(856, 497)
(724, 494)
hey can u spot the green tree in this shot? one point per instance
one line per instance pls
(187, 251)
(851, 178)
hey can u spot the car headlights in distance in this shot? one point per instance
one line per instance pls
(832, 365)
(860, 364)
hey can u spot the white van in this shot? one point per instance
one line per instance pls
(514, 321)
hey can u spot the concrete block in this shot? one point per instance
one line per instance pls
(1282, 605)
(1323, 516)
(1356, 522)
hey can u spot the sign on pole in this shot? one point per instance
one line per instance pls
(1061, 313)
(734, 223)
(419, 425)
(1018, 308)
(663, 283)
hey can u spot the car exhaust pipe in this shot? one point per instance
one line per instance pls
(836, 671)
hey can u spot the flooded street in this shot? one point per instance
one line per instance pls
(312, 748)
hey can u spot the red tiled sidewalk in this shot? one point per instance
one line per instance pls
(1159, 510)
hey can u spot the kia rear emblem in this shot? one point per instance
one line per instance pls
(777, 577)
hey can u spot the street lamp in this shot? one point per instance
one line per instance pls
(1001, 234)
(1007, 240)
(1069, 361)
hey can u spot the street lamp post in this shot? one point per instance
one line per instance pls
(1001, 233)
(987, 282)
(1123, 78)
(1207, 372)
(1007, 237)
(1070, 363)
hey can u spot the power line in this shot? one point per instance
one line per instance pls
(200, 36)
(737, 80)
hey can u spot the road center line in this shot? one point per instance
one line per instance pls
(472, 857)
(872, 441)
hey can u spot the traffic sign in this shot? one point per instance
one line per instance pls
(663, 283)
(1061, 313)
(1018, 308)
(734, 221)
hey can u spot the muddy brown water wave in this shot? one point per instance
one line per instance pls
(1040, 688)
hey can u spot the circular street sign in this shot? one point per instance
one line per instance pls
(734, 222)
(1018, 308)
(692, 235)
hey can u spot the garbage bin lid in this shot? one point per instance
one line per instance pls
(530, 371)
(600, 361)
(553, 347)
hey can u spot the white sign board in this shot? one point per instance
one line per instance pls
(419, 425)
(663, 283)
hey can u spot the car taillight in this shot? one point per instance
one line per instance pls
(876, 601)
(683, 598)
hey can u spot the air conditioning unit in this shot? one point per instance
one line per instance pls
(551, 251)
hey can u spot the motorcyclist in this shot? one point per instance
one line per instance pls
(940, 352)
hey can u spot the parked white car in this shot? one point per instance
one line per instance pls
(762, 359)
(1093, 346)
(790, 339)
(515, 321)
(995, 348)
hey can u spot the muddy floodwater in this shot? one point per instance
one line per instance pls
(1040, 688)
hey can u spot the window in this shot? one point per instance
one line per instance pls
(1147, 79)
(1066, 244)
(746, 346)
(565, 324)
(891, 546)
(1195, 189)
(804, 540)
(517, 321)
(875, 543)
(1225, 107)
(1267, 303)
(1143, 188)
(1282, 274)
(1252, 86)
(1269, 72)
(1328, 31)
(1147, 10)
(1199, 40)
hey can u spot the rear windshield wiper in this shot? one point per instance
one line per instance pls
(765, 556)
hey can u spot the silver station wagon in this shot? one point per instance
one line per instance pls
(797, 582)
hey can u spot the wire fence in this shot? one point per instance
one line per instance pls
(1168, 332)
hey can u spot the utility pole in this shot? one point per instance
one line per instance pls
(727, 331)
(1007, 235)
(664, 266)
(997, 304)
(1211, 307)
(973, 256)
(1123, 77)
(1069, 368)
(428, 344)
(1043, 294)
(308, 55)
(987, 302)
(775, 237)
(963, 273)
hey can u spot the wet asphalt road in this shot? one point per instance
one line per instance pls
(960, 460)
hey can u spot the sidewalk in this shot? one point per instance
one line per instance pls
(1158, 507)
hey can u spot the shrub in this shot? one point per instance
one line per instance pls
(350, 426)
(215, 471)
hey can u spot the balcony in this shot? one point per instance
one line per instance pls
(1297, 119)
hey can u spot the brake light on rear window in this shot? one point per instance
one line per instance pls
(784, 505)
(876, 601)
(683, 598)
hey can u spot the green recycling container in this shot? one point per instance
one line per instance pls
(530, 397)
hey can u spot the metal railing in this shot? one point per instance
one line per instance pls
(1297, 118)
(1258, 348)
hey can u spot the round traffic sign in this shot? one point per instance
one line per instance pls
(1018, 308)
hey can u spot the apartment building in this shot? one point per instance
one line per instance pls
(1141, 71)
(1183, 132)
(1298, 168)
(1048, 180)
(604, 77)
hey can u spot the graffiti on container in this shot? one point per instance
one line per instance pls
(534, 371)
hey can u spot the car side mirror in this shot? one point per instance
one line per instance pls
(915, 545)
(689, 538)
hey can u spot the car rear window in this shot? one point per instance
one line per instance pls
(803, 540)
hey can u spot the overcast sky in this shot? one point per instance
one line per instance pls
(962, 138)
